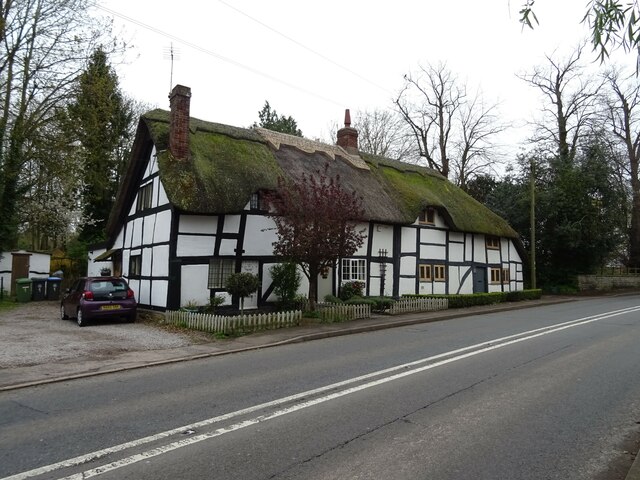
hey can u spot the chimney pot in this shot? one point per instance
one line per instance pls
(347, 136)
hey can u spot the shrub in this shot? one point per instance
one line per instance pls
(214, 302)
(286, 281)
(360, 301)
(332, 299)
(242, 285)
(532, 294)
(382, 303)
(351, 289)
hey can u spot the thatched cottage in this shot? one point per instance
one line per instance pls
(188, 214)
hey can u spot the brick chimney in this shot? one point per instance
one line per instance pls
(347, 136)
(179, 101)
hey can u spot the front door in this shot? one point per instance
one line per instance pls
(479, 279)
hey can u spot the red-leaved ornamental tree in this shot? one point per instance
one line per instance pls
(315, 223)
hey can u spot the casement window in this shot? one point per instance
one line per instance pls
(495, 275)
(219, 271)
(439, 273)
(257, 202)
(425, 273)
(254, 203)
(145, 197)
(427, 216)
(506, 277)
(353, 269)
(493, 242)
(135, 265)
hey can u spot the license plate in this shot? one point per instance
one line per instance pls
(110, 307)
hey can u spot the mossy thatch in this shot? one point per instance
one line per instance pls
(417, 188)
(227, 165)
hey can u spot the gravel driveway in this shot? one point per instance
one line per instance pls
(33, 334)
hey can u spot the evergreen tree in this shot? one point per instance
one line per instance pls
(99, 119)
(279, 123)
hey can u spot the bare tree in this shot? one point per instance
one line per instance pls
(622, 101)
(428, 103)
(570, 100)
(476, 152)
(452, 131)
(383, 132)
(43, 47)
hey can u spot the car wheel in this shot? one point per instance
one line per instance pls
(131, 318)
(63, 315)
(80, 319)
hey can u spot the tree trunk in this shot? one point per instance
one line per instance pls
(313, 287)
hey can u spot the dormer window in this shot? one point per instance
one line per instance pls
(254, 203)
(258, 202)
(493, 243)
(428, 216)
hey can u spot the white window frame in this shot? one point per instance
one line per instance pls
(354, 269)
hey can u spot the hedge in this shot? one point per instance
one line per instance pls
(470, 300)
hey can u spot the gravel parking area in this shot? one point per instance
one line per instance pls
(33, 334)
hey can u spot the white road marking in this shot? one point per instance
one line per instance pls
(458, 354)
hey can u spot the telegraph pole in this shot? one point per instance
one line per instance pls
(532, 247)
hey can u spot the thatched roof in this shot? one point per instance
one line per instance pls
(228, 164)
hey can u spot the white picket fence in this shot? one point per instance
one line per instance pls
(338, 312)
(417, 304)
(228, 325)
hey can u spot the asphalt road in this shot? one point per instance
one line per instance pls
(544, 393)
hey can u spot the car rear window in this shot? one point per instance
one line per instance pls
(109, 288)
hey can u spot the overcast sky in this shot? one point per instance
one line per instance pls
(234, 54)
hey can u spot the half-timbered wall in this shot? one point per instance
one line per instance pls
(160, 246)
(144, 240)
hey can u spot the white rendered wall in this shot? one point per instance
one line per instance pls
(159, 290)
(231, 224)
(425, 288)
(408, 266)
(94, 268)
(162, 195)
(260, 234)
(408, 239)
(161, 261)
(469, 248)
(479, 249)
(205, 224)
(39, 265)
(228, 246)
(195, 246)
(193, 287)
(407, 286)
(382, 240)
(162, 232)
(493, 256)
(362, 251)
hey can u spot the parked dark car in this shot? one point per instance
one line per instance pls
(95, 298)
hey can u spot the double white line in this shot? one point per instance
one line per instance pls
(321, 395)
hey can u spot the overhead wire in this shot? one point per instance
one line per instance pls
(309, 49)
(210, 52)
